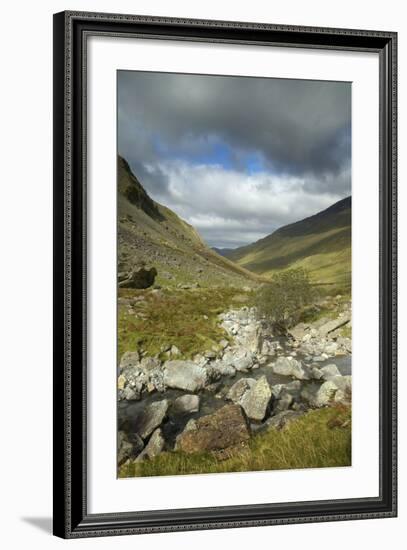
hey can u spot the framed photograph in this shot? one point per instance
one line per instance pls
(224, 274)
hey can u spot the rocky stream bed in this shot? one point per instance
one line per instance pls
(219, 399)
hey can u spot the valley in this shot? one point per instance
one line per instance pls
(205, 383)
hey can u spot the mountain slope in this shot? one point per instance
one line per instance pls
(320, 243)
(152, 235)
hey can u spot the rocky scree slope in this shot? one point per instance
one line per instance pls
(153, 236)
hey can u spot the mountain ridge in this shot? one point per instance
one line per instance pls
(150, 234)
(321, 243)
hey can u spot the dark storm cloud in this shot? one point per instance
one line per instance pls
(194, 139)
(296, 125)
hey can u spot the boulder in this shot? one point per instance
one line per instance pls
(242, 361)
(319, 396)
(124, 448)
(139, 278)
(129, 359)
(148, 364)
(282, 419)
(154, 446)
(332, 325)
(150, 418)
(224, 369)
(276, 390)
(325, 394)
(256, 400)
(329, 371)
(287, 366)
(186, 404)
(239, 388)
(225, 428)
(284, 402)
(344, 392)
(130, 394)
(315, 372)
(308, 393)
(184, 375)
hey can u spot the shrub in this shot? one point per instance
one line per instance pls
(282, 300)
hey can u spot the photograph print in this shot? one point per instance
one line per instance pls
(234, 330)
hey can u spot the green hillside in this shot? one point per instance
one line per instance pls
(151, 235)
(320, 243)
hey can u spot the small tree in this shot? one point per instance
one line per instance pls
(282, 300)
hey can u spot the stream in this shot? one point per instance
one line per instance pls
(210, 400)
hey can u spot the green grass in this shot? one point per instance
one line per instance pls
(320, 244)
(320, 439)
(187, 319)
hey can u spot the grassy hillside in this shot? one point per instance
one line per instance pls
(152, 235)
(320, 243)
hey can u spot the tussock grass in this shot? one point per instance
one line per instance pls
(319, 439)
(187, 319)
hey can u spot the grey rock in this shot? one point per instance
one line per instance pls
(329, 371)
(239, 388)
(130, 394)
(148, 364)
(256, 400)
(288, 366)
(124, 448)
(344, 392)
(326, 394)
(315, 372)
(129, 359)
(154, 446)
(224, 369)
(282, 419)
(186, 404)
(276, 390)
(330, 326)
(284, 402)
(136, 442)
(184, 375)
(151, 418)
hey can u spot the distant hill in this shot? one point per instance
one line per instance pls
(152, 235)
(320, 243)
(223, 251)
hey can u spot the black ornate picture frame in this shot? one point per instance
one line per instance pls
(71, 517)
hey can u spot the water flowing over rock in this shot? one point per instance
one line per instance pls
(154, 446)
(184, 375)
(256, 400)
(151, 418)
(227, 427)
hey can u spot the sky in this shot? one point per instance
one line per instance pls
(237, 157)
